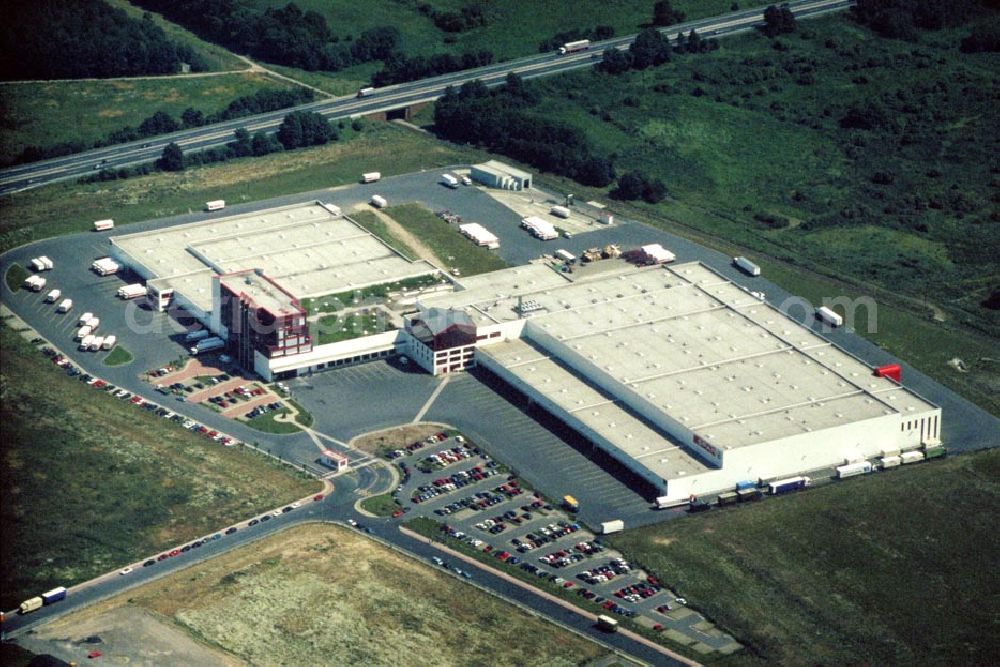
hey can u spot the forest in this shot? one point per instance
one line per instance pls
(75, 39)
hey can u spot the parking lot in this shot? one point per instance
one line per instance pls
(479, 503)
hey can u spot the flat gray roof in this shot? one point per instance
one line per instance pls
(263, 292)
(306, 249)
(704, 351)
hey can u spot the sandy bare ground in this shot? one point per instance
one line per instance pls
(124, 635)
(401, 233)
(397, 437)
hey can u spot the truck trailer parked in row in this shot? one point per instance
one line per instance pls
(52, 296)
(746, 266)
(64, 306)
(852, 469)
(109, 342)
(34, 283)
(42, 263)
(105, 266)
(133, 291)
(573, 47)
(788, 485)
(195, 336)
(85, 343)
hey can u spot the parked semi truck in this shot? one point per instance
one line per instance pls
(746, 266)
(65, 306)
(109, 342)
(449, 181)
(788, 485)
(208, 345)
(133, 291)
(560, 211)
(52, 296)
(195, 336)
(572, 47)
(824, 314)
(615, 526)
(852, 469)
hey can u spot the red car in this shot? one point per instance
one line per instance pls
(318, 497)
(175, 552)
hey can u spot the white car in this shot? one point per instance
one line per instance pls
(124, 570)
(352, 523)
(680, 601)
(276, 513)
(296, 505)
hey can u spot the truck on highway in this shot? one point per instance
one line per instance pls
(366, 91)
(133, 291)
(572, 47)
(570, 503)
(64, 306)
(30, 605)
(207, 345)
(195, 336)
(607, 623)
(378, 201)
(371, 177)
(449, 181)
(614, 526)
(52, 296)
(103, 225)
(215, 205)
(787, 485)
(746, 266)
(55, 595)
(828, 316)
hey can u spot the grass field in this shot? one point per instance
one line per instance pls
(43, 114)
(15, 277)
(376, 226)
(93, 483)
(332, 597)
(118, 357)
(72, 207)
(303, 417)
(266, 423)
(335, 328)
(898, 568)
(383, 505)
(444, 240)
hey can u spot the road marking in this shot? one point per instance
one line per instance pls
(430, 401)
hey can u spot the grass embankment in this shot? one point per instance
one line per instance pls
(118, 357)
(377, 226)
(15, 277)
(93, 483)
(444, 240)
(334, 597)
(750, 131)
(303, 416)
(898, 568)
(266, 423)
(71, 207)
(383, 505)
(43, 114)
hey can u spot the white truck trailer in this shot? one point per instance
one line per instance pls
(83, 332)
(133, 291)
(215, 205)
(614, 526)
(560, 211)
(93, 323)
(96, 343)
(449, 181)
(852, 469)
(366, 91)
(64, 306)
(86, 341)
(378, 201)
(109, 342)
(103, 225)
(52, 296)
(824, 314)
(83, 319)
(371, 177)
(105, 266)
(34, 283)
(572, 47)
(746, 266)
(207, 345)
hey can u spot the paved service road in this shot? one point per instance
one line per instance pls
(384, 99)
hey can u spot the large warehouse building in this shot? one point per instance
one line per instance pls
(687, 379)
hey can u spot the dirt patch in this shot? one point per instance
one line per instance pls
(663, 541)
(393, 438)
(400, 232)
(321, 594)
(110, 113)
(124, 635)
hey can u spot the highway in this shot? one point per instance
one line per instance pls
(26, 176)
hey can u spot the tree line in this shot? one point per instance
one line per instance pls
(75, 39)
(400, 69)
(651, 49)
(285, 35)
(162, 122)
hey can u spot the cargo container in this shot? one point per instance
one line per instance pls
(890, 462)
(65, 306)
(745, 484)
(449, 181)
(746, 266)
(85, 343)
(911, 457)
(31, 605)
(615, 526)
(371, 176)
(104, 225)
(560, 211)
(748, 495)
(572, 47)
(83, 319)
(109, 342)
(378, 201)
(195, 336)
(852, 469)
(824, 314)
(607, 623)
(571, 504)
(52, 296)
(934, 452)
(56, 594)
(215, 205)
(133, 291)
(698, 506)
(728, 498)
(366, 91)
(787, 485)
